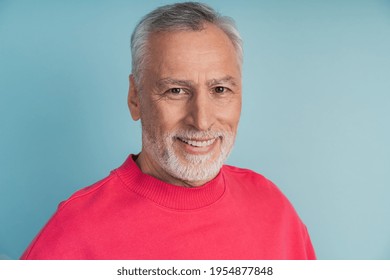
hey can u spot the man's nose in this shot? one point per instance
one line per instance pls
(201, 111)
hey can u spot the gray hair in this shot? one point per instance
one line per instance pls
(177, 17)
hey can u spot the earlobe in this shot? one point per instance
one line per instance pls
(133, 99)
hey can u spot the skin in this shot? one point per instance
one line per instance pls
(192, 81)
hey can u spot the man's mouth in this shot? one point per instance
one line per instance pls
(198, 142)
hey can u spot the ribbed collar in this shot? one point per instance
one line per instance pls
(167, 195)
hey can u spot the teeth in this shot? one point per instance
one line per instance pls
(198, 143)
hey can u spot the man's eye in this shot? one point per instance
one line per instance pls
(176, 91)
(220, 89)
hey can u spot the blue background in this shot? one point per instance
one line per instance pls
(315, 114)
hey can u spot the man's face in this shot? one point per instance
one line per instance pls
(190, 104)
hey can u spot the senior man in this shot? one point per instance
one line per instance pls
(176, 199)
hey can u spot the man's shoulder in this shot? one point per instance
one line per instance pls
(75, 217)
(245, 175)
(236, 169)
(91, 191)
(254, 183)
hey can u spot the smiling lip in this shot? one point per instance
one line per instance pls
(198, 142)
(197, 146)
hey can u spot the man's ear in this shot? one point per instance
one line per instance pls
(133, 100)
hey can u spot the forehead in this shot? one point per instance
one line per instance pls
(208, 30)
(208, 47)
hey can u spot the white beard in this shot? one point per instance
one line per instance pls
(192, 167)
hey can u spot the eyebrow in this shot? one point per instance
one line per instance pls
(225, 80)
(170, 81)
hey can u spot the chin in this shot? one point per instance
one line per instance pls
(193, 168)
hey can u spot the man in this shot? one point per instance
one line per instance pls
(176, 199)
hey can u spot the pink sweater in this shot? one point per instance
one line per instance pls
(131, 215)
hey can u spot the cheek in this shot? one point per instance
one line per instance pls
(149, 115)
(230, 115)
(160, 116)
